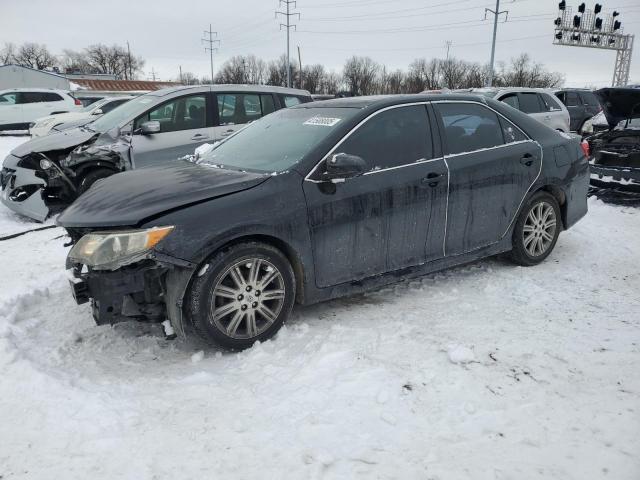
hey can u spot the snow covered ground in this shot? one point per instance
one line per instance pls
(488, 371)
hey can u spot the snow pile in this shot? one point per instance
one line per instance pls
(356, 387)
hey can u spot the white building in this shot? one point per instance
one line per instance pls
(16, 76)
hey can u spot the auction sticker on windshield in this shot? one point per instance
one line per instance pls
(323, 121)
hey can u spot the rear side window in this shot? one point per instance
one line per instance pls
(290, 100)
(511, 99)
(395, 137)
(30, 97)
(510, 132)
(572, 99)
(550, 102)
(268, 105)
(469, 127)
(51, 97)
(530, 103)
(590, 99)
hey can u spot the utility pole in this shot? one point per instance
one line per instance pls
(180, 67)
(496, 13)
(300, 64)
(448, 45)
(210, 40)
(129, 61)
(153, 74)
(287, 14)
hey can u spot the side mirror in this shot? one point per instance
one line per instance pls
(98, 111)
(149, 128)
(342, 166)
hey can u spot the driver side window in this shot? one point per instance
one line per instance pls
(395, 137)
(184, 113)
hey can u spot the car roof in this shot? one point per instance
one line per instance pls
(230, 87)
(382, 101)
(35, 89)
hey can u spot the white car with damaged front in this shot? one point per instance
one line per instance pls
(43, 126)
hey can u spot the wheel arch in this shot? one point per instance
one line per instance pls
(292, 255)
(560, 196)
(86, 167)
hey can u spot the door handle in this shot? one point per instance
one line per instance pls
(199, 136)
(527, 159)
(432, 179)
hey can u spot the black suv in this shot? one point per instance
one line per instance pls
(318, 201)
(582, 105)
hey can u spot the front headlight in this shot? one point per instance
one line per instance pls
(112, 250)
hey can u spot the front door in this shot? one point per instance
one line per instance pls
(184, 126)
(10, 109)
(492, 165)
(389, 218)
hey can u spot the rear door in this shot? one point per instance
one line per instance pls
(391, 217)
(574, 105)
(234, 110)
(492, 165)
(184, 126)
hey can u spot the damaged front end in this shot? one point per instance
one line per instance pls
(615, 154)
(38, 183)
(124, 278)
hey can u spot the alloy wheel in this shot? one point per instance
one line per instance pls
(539, 229)
(247, 298)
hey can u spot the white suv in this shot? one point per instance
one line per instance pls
(539, 103)
(21, 106)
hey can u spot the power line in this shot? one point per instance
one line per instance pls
(210, 40)
(287, 14)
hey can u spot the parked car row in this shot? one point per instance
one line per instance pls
(48, 173)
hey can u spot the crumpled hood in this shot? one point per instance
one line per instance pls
(128, 198)
(619, 103)
(54, 141)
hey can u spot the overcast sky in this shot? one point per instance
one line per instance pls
(167, 33)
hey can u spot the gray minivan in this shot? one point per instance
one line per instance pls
(46, 174)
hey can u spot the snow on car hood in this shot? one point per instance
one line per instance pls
(54, 141)
(619, 104)
(128, 198)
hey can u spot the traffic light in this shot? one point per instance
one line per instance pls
(557, 22)
(595, 39)
(562, 5)
(597, 9)
(615, 14)
(559, 35)
(617, 25)
(576, 21)
(575, 37)
(599, 23)
(582, 7)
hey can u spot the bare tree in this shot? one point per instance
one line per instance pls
(313, 77)
(34, 55)
(113, 60)
(360, 75)
(277, 72)
(188, 78)
(423, 75)
(523, 72)
(7, 54)
(241, 69)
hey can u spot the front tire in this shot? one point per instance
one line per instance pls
(536, 231)
(243, 295)
(91, 177)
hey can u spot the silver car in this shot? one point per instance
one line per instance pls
(47, 173)
(538, 103)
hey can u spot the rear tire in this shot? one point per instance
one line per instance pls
(91, 177)
(244, 295)
(536, 230)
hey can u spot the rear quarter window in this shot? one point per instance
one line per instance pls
(590, 99)
(469, 127)
(530, 102)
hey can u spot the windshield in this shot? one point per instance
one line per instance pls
(126, 111)
(278, 141)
